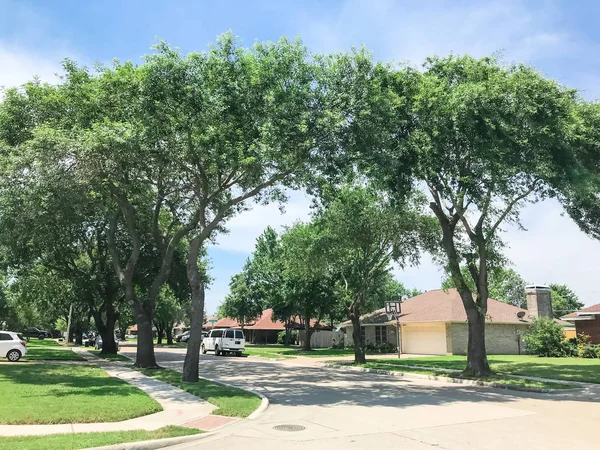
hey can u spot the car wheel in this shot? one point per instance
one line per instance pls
(41, 336)
(203, 350)
(13, 355)
(238, 353)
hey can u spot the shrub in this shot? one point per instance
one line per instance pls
(293, 337)
(387, 347)
(585, 349)
(545, 338)
(569, 347)
(339, 344)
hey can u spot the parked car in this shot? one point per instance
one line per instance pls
(98, 344)
(182, 337)
(12, 346)
(34, 332)
(223, 341)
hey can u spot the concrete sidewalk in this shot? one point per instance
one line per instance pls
(179, 407)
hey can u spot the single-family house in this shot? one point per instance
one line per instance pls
(435, 323)
(265, 328)
(587, 321)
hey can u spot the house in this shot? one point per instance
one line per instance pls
(265, 329)
(435, 323)
(587, 321)
(209, 322)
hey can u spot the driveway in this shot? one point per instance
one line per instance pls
(359, 410)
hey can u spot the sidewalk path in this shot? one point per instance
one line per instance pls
(179, 407)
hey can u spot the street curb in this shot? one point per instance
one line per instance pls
(451, 380)
(155, 443)
(264, 404)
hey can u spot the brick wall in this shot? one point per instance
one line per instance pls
(499, 338)
(589, 327)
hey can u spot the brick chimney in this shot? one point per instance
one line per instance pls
(539, 300)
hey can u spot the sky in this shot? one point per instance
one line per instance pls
(560, 38)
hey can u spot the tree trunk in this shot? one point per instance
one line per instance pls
(144, 357)
(308, 331)
(107, 331)
(123, 333)
(169, 332)
(159, 335)
(192, 355)
(359, 345)
(287, 334)
(477, 363)
(79, 338)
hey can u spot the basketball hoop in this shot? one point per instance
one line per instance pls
(392, 309)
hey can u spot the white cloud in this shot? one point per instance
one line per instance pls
(403, 31)
(247, 226)
(19, 65)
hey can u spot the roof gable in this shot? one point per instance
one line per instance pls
(442, 305)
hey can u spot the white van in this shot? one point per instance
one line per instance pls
(223, 341)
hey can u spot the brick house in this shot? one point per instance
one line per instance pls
(265, 328)
(435, 323)
(587, 321)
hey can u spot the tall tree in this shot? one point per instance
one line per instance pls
(488, 138)
(364, 234)
(252, 119)
(308, 281)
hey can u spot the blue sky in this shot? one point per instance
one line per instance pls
(560, 38)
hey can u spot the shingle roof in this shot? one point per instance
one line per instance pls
(589, 309)
(444, 306)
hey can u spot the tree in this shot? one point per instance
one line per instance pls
(169, 310)
(173, 148)
(487, 137)
(505, 285)
(308, 282)
(241, 303)
(265, 277)
(564, 300)
(252, 119)
(364, 234)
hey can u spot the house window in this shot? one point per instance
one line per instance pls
(363, 334)
(381, 335)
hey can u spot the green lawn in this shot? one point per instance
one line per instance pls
(49, 350)
(231, 402)
(566, 369)
(383, 364)
(88, 440)
(54, 393)
(116, 357)
(279, 351)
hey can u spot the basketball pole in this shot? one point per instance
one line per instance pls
(398, 334)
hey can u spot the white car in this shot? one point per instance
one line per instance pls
(12, 347)
(223, 341)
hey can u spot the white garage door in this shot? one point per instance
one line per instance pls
(424, 339)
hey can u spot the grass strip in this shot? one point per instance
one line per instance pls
(87, 440)
(231, 402)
